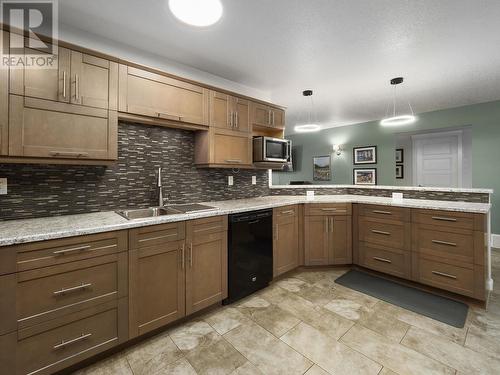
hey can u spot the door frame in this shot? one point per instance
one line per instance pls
(417, 137)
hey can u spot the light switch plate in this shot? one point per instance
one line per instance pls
(230, 180)
(3, 186)
(254, 180)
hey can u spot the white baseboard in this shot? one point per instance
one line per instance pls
(495, 240)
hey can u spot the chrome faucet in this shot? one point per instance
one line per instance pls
(160, 193)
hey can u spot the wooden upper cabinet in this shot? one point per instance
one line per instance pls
(286, 239)
(49, 83)
(4, 102)
(242, 115)
(47, 129)
(94, 81)
(231, 149)
(206, 262)
(266, 116)
(149, 94)
(229, 112)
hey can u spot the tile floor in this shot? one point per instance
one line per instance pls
(306, 324)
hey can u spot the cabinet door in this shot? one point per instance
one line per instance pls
(47, 129)
(94, 80)
(51, 83)
(221, 110)
(4, 101)
(261, 115)
(286, 240)
(278, 118)
(206, 268)
(155, 95)
(156, 286)
(241, 115)
(317, 249)
(231, 149)
(340, 240)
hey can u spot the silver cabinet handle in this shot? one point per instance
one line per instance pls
(64, 85)
(331, 220)
(77, 87)
(382, 212)
(327, 224)
(287, 212)
(73, 249)
(168, 116)
(273, 117)
(69, 154)
(269, 117)
(382, 260)
(328, 209)
(444, 274)
(381, 232)
(236, 119)
(231, 119)
(233, 160)
(207, 229)
(443, 218)
(72, 289)
(64, 343)
(277, 232)
(444, 243)
(191, 255)
(183, 255)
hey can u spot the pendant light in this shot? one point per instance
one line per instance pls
(398, 119)
(310, 126)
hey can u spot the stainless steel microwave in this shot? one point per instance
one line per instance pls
(268, 149)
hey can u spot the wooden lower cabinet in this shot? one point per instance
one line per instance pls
(206, 262)
(286, 239)
(327, 236)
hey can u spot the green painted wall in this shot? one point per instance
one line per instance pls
(484, 119)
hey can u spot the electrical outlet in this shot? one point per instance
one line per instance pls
(230, 180)
(254, 180)
(3, 186)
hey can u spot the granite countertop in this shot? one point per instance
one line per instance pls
(387, 187)
(31, 230)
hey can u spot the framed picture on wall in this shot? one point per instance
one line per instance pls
(400, 171)
(399, 155)
(364, 176)
(364, 155)
(321, 168)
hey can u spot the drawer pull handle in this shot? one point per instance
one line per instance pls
(287, 212)
(328, 209)
(444, 243)
(73, 249)
(382, 212)
(157, 237)
(382, 260)
(443, 218)
(167, 116)
(444, 274)
(233, 161)
(65, 343)
(207, 229)
(381, 232)
(72, 289)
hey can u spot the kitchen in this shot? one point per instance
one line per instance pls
(172, 201)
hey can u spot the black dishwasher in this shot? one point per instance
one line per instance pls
(250, 253)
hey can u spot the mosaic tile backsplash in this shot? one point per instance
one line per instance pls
(50, 190)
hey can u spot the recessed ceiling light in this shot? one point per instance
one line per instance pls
(196, 12)
(307, 128)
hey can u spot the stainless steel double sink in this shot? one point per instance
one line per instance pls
(176, 209)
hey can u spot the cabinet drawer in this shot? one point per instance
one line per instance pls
(286, 211)
(49, 347)
(446, 219)
(384, 212)
(323, 209)
(446, 276)
(53, 252)
(53, 291)
(215, 224)
(386, 233)
(391, 261)
(448, 245)
(155, 235)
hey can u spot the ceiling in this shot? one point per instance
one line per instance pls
(345, 50)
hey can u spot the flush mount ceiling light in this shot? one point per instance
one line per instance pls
(309, 126)
(402, 118)
(197, 12)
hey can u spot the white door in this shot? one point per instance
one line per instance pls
(437, 159)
